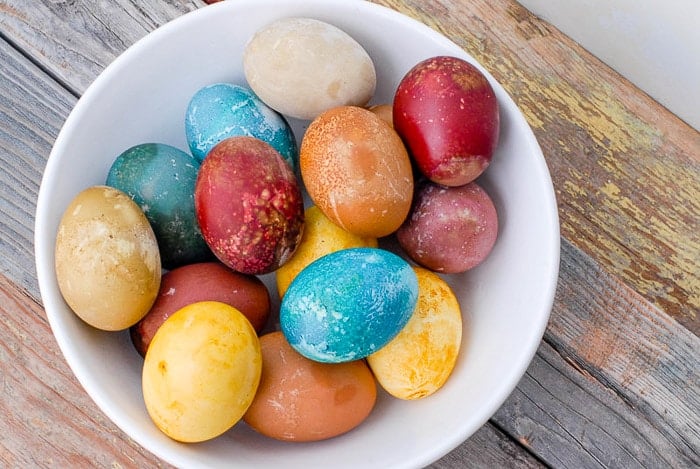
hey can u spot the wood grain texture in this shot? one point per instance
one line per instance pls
(32, 110)
(46, 418)
(645, 415)
(605, 143)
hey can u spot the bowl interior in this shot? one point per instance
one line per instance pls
(506, 301)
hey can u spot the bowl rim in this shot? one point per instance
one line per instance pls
(44, 245)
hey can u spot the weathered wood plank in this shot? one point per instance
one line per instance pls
(32, 110)
(75, 40)
(610, 386)
(603, 139)
(46, 418)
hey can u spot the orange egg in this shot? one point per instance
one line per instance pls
(302, 400)
(357, 171)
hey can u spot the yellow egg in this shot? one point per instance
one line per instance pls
(321, 236)
(201, 371)
(106, 258)
(420, 359)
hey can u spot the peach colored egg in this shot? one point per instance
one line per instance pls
(302, 400)
(385, 112)
(420, 359)
(357, 171)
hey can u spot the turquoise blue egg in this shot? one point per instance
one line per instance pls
(348, 304)
(161, 179)
(225, 110)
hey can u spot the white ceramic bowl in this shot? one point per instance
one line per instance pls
(142, 97)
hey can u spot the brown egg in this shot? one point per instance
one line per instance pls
(302, 400)
(385, 112)
(357, 171)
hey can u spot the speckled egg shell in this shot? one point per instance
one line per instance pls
(160, 179)
(302, 66)
(249, 205)
(419, 360)
(348, 304)
(107, 260)
(357, 171)
(225, 110)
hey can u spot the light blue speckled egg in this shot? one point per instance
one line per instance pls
(224, 110)
(348, 304)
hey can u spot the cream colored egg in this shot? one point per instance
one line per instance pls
(302, 67)
(201, 371)
(321, 236)
(420, 359)
(106, 258)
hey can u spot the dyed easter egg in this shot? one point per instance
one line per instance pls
(450, 229)
(419, 360)
(107, 260)
(303, 400)
(201, 371)
(205, 281)
(302, 67)
(447, 113)
(225, 110)
(160, 179)
(348, 304)
(249, 205)
(321, 236)
(357, 171)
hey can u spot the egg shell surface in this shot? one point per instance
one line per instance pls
(321, 236)
(450, 229)
(205, 281)
(419, 360)
(348, 304)
(357, 171)
(160, 179)
(106, 258)
(201, 372)
(302, 67)
(223, 110)
(249, 205)
(447, 113)
(303, 400)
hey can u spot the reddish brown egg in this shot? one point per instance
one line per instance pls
(206, 281)
(447, 113)
(249, 205)
(302, 400)
(357, 171)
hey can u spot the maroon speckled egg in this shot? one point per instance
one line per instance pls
(449, 229)
(205, 281)
(447, 114)
(249, 205)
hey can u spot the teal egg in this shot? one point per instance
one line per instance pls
(348, 304)
(224, 110)
(161, 179)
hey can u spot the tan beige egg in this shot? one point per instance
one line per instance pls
(106, 258)
(420, 359)
(357, 171)
(303, 400)
(302, 66)
(321, 236)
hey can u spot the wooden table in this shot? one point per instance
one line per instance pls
(616, 380)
